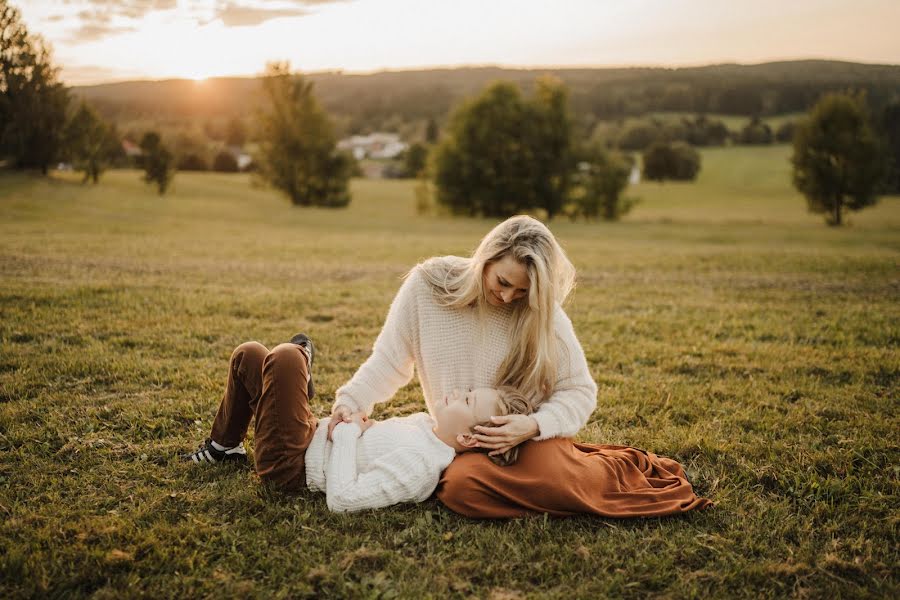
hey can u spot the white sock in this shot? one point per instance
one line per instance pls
(219, 446)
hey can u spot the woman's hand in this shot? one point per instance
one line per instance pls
(341, 414)
(511, 430)
(362, 420)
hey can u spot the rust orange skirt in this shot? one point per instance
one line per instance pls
(563, 478)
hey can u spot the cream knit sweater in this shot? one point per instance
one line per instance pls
(395, 460)
(446, 347)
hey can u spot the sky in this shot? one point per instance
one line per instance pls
(97, 41)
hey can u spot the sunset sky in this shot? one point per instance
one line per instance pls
(107, 40)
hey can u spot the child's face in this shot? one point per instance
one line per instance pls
(457, 412)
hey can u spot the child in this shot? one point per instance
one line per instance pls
(369, 464)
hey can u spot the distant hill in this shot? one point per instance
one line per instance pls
(370, 100)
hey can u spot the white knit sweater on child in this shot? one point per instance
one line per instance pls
(446, 347)
(396, 460)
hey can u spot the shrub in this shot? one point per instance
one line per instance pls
(225, 162)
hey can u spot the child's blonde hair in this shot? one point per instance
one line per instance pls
(510, 401)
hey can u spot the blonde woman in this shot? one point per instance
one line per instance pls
(496, 319)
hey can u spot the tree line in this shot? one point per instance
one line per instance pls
(504, 150)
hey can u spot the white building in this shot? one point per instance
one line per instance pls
(374, 145)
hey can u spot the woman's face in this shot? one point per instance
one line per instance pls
(505, 281)
(457, 412)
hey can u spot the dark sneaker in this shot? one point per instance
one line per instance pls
(206, 453)
(301, 339)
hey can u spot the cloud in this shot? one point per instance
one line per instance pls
(234, 15)
(243, 15)
(98, 19)
(92, 32)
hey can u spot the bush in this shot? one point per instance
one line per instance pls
(601, 179)
(785, 133)
(675, 160)
(192, 162)
(755, 132)
(225, 162)
(638, 137)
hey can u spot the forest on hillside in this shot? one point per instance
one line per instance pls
(405, 100)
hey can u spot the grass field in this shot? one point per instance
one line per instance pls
(725, 326)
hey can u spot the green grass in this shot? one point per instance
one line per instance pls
(725, 326)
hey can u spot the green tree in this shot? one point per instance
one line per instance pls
(890, 127)
(225, 162)
(837, 160)
(551, 143)
(157, 162)
(415, 159)
(33, 104)
(600, 181)
(503, 154)
(192, 162)
(756, 132)
(89, 143)
(677, 160)
(236, 134)
(431, 131)
(297, 143)
(483, 165)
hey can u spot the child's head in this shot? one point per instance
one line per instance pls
(458, 413)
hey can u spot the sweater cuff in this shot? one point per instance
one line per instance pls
(346, 431)
(548, 424)
(346, 401)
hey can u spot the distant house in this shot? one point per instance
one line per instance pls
(131, 149)
(375, 145)
(635, 176)
(243, 159)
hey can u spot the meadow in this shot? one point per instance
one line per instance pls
(725, 326)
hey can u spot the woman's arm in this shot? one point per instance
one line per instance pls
(564, 413)
(391, 364)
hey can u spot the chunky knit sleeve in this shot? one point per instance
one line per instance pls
(574, 396)
(391, 364)
(402, 475)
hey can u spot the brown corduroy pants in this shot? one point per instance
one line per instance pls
(272, 387)
(562, 478)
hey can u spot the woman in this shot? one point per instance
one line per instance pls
(496, 319)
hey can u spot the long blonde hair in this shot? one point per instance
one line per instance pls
(456, 282)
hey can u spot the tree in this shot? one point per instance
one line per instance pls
(664, 160)
(890, 127)
(33, 104)
(414, 160)
(601, 179)
(431, 131)
(756, 132)
(551, 143)
(297, 143)
(89, 143)
(192, 162)
(225, 162)
(484, 164)
(503, 154)
(785, 132)
(838, 159)
(157, 162)
(639, 136)
(236, 134)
